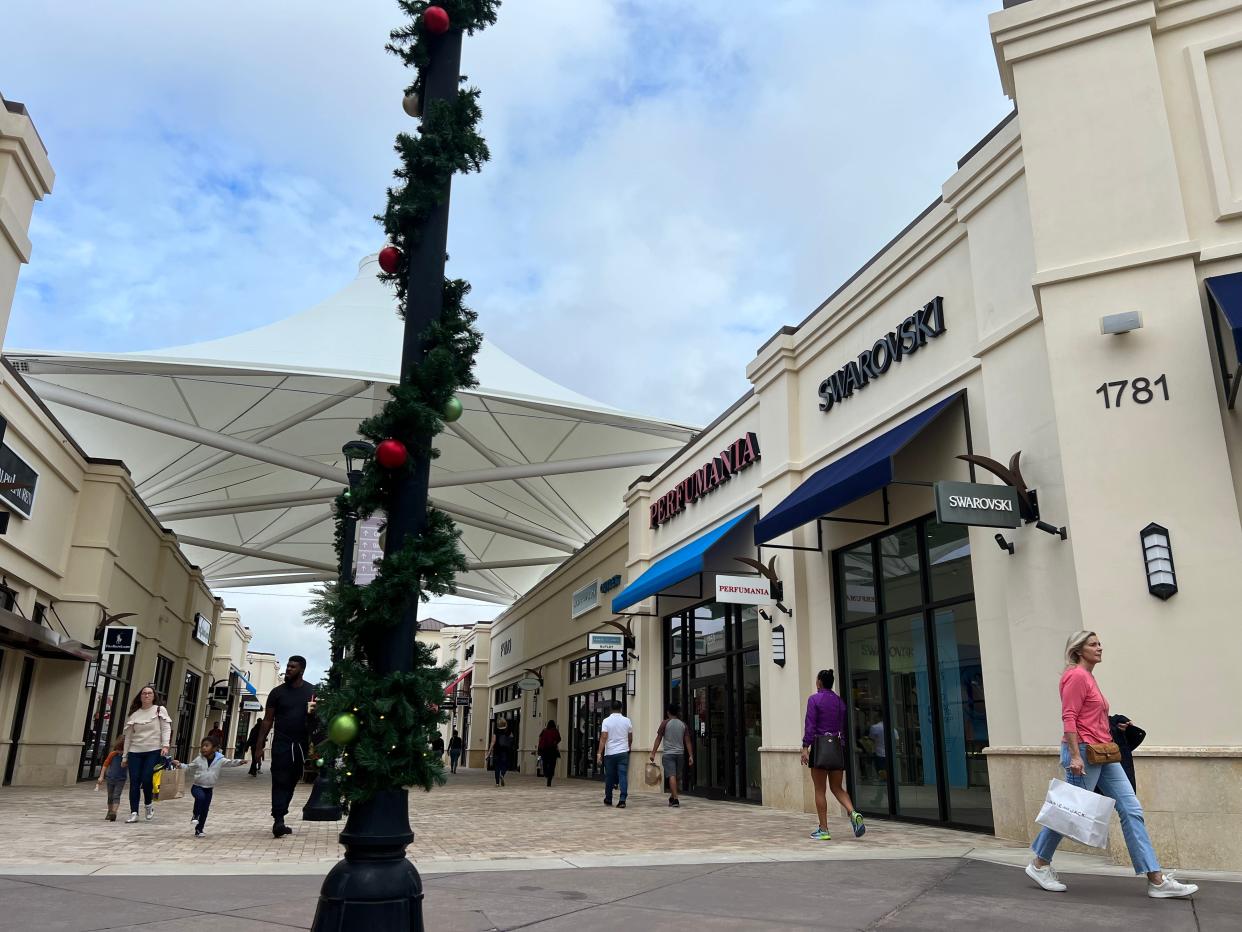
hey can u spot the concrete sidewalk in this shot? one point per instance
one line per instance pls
(891, 895)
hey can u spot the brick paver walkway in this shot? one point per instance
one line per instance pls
(470, 819)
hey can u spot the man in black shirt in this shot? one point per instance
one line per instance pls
(289, 709)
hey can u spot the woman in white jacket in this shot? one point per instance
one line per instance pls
(204, 771)
(148, 731)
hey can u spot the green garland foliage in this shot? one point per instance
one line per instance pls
(398, 712)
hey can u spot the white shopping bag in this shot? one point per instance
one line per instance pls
(1077, 813)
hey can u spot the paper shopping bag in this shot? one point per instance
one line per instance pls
(1077, 813)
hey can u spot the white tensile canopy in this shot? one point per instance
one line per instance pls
(236, 444)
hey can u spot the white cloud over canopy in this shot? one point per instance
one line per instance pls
(671, 181)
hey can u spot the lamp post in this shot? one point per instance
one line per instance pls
(376, 886)
(321, 806)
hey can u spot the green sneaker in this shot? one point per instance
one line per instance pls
(821, 834)
(856, 820)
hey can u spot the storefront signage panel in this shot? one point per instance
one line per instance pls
(740, 454)
(20, 478)
(202, 629)
(611, 583)
(585, 599)
(743, 590)
(369, 550)
(977, 504)
(605, 642)
(904, 340)
(119, 639)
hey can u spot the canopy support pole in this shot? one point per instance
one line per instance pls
(351, 391)
(58, 394)
(257, 554)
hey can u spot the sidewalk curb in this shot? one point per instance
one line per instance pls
(1017, 858)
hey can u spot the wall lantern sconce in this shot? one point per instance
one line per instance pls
(92, 674)
(778, 645)
(631, 682)
(1158, 560)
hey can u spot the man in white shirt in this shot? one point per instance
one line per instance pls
(615, 738)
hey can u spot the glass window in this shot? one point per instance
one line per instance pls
(864, 693)
(677, 639)
(963, 714)
(899, 564)
(710, 668)
(909, 690)
(948, 552)
(857, 576)
(752, 724)
(710, 636)
(750, 626)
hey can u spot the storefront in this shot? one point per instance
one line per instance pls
(587, 711)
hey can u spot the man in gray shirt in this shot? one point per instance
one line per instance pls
(673, 740)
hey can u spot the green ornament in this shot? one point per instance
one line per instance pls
(453, 409)
(319, 763)
(343, 729)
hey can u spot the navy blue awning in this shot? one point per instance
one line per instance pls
(868, 469)
(679, 565)
(1226, 292)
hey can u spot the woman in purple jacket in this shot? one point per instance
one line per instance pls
(825, 715)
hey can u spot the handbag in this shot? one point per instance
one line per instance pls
(1076, 813)
(827, 753)
(1105, 752)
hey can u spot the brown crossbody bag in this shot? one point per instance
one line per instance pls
(1105, 752)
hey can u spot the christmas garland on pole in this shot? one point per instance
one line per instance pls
(380, 724)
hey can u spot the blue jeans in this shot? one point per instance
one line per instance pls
(1112, 782)
(616, 773)
(202, 802)
(141, 771)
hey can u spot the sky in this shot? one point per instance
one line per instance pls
(671, 180)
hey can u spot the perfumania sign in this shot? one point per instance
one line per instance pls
(707, 478)
(904, 340)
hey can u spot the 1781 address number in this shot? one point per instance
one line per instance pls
(1142, 391)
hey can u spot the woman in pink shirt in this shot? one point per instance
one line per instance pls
(1084, 719)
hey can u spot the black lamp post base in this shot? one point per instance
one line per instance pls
(321, 807)
(376, 888)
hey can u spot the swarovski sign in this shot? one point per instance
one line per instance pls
(977, 504)
(904, 340)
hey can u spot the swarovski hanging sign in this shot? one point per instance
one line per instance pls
(710, 476)
(904, 340)
(976, 504)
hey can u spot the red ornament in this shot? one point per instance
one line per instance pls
(390, 259)
(436, 20)
(391, 454)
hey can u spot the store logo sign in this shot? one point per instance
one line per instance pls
(17, 482)
(976, 504)
(119, 639)
(904, 340)
(740, 454)
(743, 590)
(585, 599)
(202, 629)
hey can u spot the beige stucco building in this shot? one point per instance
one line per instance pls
(78, 548)
(1067, 295)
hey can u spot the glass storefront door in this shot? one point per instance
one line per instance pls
(587, 712)
(105, 712)
(913, 677)
(712, 672)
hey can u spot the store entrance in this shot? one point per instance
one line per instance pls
(713, 753)
(913, 681)
(711, 656)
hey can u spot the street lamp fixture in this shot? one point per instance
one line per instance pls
(778, 645)
(1158, 560)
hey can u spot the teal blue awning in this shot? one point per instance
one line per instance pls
(679, 565)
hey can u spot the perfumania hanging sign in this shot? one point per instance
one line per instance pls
(710, 476)
(904, 340)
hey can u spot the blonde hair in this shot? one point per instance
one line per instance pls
(1073, 647)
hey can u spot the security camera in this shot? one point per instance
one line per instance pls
(1004, 544)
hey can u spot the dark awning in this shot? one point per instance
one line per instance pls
(679, 565)
(1225, 294)
(24, 634)
(867, 469)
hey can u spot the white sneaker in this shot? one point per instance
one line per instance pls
(133, 817)
(150, 813)
(1171, 888)
(1047, 878)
